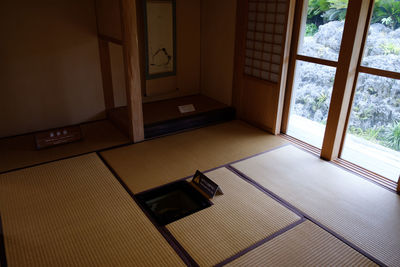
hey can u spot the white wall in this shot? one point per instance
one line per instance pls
(50, 69)
(218, 23)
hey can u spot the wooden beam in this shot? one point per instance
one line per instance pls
(132, 69)
(315, 60)
(105, 64)
(109, 39)
(108, 18)
(384, 73)
(141, 40)
(356, 20)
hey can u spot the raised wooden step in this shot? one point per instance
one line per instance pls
(164, 117)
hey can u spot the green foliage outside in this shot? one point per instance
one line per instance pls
(369, 134)
(311, 29)
(387, 12)
(389, 138)
(390, 48)
(393, 138)
(320, 12)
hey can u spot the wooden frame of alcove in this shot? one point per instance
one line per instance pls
(119, 22)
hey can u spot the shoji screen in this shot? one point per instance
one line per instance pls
(263, 34)
(265, 38)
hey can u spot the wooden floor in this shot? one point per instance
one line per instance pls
(18, 152)
(48, 211)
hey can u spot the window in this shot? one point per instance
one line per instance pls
(363, 124)
(373, 132)
(318, 51)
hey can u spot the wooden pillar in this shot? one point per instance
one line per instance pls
(105, 64)
(132, 69)
(356, 21)
(280, 98)
(240, 48)
(297, 26)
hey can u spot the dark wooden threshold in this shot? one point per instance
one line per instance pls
(189, 122)
(312, 149)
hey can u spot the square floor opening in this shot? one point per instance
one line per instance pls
(172, 202)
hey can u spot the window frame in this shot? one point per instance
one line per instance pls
(348, 67)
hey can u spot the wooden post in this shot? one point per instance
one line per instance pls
(240, 48)
(398, 185)
(356, 20)
(280, 98)
(132, 69)
(105, 64)
(297, 24)
(365, 36)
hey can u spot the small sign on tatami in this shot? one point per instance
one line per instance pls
(206, 185)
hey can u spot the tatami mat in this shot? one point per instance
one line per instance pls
(18, 152)
(365, 214)
(304, 245)
(237, 220)
(159, 161)
(75, 213)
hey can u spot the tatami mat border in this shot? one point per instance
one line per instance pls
(184, 255)
(306, 216)
(266, 191)
(98, 150)
(265, 152)
(169, 237)
(3, 259)
(285, 203)
(187, 130)
(303, 215)
(215, 168)
(261, 242)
